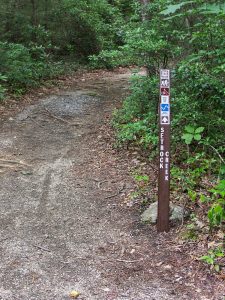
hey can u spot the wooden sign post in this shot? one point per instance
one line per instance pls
(164, 152)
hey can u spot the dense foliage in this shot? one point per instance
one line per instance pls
(187, 38)
(35, 36)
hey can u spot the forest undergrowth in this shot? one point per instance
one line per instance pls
(185, 37)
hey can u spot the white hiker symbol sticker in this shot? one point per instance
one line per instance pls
(165, 120)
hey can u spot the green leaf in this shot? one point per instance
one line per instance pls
(192, 195)
(204, 257)
(213, 8)
(210, 216)
(190, 129)
(26, 173)
(173, 8)
(199, 129)
(174, 16)
(217, 268)
(188, 138)
(218, 209)
(209, 260)
(197, 137)
(220, 254)
(203, 198)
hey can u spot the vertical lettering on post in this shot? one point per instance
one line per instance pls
(164, 152)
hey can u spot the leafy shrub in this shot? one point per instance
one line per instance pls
(212, 258)
(108, 59)
(191, 134)
(15, 62)
(216, 213)
(21, 69)
(2, 88)
(136, 120)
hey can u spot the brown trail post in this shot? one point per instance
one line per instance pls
(164, 152)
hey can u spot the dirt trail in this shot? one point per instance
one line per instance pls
(61, 225)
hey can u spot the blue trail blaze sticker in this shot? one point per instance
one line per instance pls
(165, 107)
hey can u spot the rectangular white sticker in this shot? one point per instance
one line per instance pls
(165, 83)
(165, 99)
(165, 74)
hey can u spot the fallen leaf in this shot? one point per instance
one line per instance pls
(220, 234)
(211, 244)
(74, 294)
(26, 173)
(168, 267)
(221, 276)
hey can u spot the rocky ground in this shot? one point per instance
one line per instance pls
(64, 224)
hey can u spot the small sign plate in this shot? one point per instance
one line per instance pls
(164, 74)
(165, 83)
(165, 107)
(165, 91)
(165, 99)
(165, 120)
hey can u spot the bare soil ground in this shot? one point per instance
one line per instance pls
(63, 222)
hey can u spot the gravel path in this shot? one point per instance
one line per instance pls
(60, 226)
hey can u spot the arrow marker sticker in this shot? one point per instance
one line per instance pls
(165, 120)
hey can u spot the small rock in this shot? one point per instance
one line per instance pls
(177, 213)
(135, 161)
(106, 290)
(150, 214)
(199, 224)
(168, 267)
(125, 294)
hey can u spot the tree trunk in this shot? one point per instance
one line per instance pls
(46, 14)
(144, 13)
(33, 13)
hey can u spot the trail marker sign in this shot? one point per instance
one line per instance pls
(164, 120)
(164, 107)
(164, 152)
(165, 99)
(165, 91)
(165, 83)
(164, 74)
